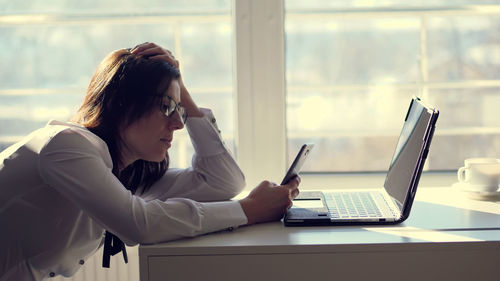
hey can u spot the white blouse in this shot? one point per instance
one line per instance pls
(58, 196)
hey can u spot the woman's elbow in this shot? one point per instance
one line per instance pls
(236, 185)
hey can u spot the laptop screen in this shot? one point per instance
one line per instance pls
(404, 163)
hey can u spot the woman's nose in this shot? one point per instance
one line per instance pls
(175, 121)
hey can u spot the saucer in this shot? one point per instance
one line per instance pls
(476, 194)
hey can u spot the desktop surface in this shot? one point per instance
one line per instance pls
(445, 229)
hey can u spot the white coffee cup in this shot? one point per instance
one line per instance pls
(480, 174)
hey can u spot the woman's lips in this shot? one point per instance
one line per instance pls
(167, 142)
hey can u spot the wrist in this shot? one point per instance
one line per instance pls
(247, 209)
(189, 105)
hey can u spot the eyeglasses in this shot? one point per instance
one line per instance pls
(169, 107)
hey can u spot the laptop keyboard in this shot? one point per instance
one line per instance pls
(352, 205)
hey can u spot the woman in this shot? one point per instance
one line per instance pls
(63, 186)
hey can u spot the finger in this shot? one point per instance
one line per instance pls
(292, 193)
(293, 183)
(141, 47)
(292, 187)
(269, 183)
(149, 51)
(289, 204)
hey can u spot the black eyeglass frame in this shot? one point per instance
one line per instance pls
(173, 107)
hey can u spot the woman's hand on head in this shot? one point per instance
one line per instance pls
(268, 201)
(153, 51)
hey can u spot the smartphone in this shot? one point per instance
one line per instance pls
(297, 163)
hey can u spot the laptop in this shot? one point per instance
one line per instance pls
(390, 204)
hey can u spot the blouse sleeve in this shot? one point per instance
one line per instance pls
(214, 175)
(72, 165)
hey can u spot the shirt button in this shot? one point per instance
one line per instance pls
(52, 274)
(81, 262)
(213, 120)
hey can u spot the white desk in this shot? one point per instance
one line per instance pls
(440, 241)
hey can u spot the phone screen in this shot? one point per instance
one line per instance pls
(297, 163)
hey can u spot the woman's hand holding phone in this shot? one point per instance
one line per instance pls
(269, 201)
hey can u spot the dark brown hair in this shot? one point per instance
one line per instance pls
(123, 89)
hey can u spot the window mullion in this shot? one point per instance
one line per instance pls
(260, 86)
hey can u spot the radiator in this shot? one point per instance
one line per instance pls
(92, 270)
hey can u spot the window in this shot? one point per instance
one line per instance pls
(53, 49)
(352, 66)
(276, 73)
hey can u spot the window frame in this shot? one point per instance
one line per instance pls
(259, 69)
(260, 90)
(259, 66)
